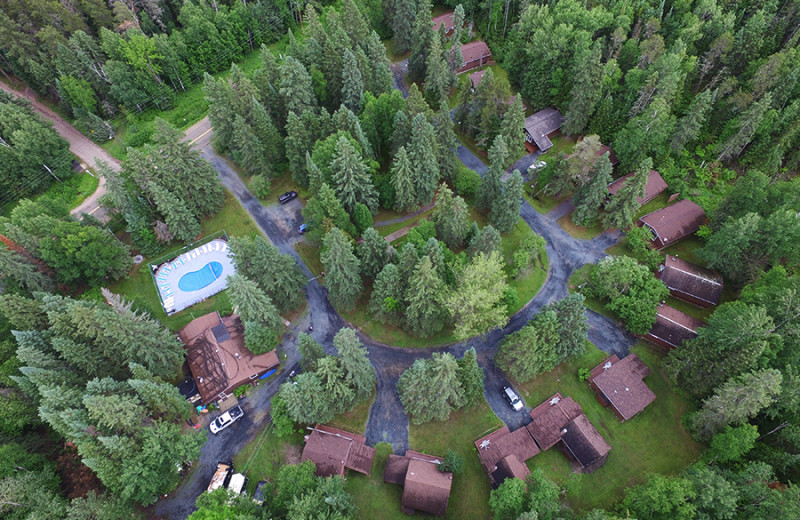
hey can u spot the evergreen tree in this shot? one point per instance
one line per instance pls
(491, 187)
(586, 89)
(386, 301)
(403, 182)
(622, 208)
(437, 79)
(485, 241)
(248, 150)
(294, 87)
(297, 143)
(504, 214)
(325, 210)
(430, 389)
(423, 159)
(446, 144)
(310, 352)
(688, 127)
(342, 270)
(523, 354)
(379, 73)
(573, 326)
(373, 252)
(476, 303)
(590, 198)
(512, 127)
(425, 312)
(402, 23)
(401, 133)
(358, 371)
(351, 177)
(220, 110)
(421, 42)
(470, 376)
(23, 271)
(352, 83)
(255, 308)
(451, 217)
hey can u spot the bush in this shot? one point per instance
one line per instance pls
(452, 463)
(260, 186)
(362, 218)
(510, 299)
(584, 374)
(467, 182)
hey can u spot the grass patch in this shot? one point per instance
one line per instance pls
(138, 285)
(374, 498)
(577, 231)
(392, 54)
(413, 221)
(356, 419)
(652, 442)
(686, 249)
(469, 496)
(73, 190)
(561, 143)
(540, 201)
(309, 254)
(581, 277)
(657, 203)
(266, 454)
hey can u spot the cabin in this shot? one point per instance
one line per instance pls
(474, 55)
(550, 417)
(445, 19)
(425, 488)
(612, 157)
(333, 450)
(672, 223)
(690, 282)
(619, 383)
(540, 127)
(213, 343)
(672, 327)
(655, 186)
(503, 454)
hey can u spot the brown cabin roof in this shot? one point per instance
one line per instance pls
(542, 123)
(549, 419)
(612, 157)
(332, 450)
(426, 488)
(621, 382)
(477, 77)
(218, 358)
(396, 469)
(501, 443)
(584, 442)
(655, 185)
(691, 280)
(673, 327)
(509, 467)
(674, 222)
(473, 51)
(445, 19)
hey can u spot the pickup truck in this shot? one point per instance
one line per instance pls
(226, 419)
(221, 476)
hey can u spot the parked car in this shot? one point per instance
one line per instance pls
(512, 398)
(258, 496)
(238, 484)
(302, 229)
(226, 419)
(538, 165)
(286, 197)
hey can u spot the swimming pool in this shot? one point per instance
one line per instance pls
(204, 277)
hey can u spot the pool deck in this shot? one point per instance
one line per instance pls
(169, 274)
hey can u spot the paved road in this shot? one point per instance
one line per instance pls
(87, 151)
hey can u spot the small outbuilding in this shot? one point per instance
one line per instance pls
(540, 127)
(333, 450)
(218, 358)
(619, 383)
(690, 282)
(503, 454)
(425, 488)
(655, 186)
(672, 223)
(583, 443)
(474, 55)
(672, 327)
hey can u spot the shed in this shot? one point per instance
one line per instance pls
(425, 488)
(619, 383)
(690, 282)
(674, 222)
(584, 444)
(655, 186)
(550, 417)
(474, 55)
(542, 125)
(217, 356)
(672, 327)
(333, 450)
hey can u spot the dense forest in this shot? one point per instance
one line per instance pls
(705, 92)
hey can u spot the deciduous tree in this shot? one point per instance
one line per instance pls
(476, 305)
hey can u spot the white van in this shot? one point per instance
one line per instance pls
(237, 484)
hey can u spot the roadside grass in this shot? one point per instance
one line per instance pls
(576, 231)
(652, 442)
(138, 285)
(470, 145)
(581, 277)
(541, 203)
(469, 496)
(73, 190)
(264, 456)
(308, 251)
(374, 498)
(356, 419)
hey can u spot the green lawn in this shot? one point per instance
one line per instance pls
(541, 202)
(577, 231)
(652, 442)
(561, 143)
(391, 228)
(374, 498)
(469, 495)
(139, 287)
(356, 419)
(309, 253)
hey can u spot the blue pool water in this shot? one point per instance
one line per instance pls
(196, 280)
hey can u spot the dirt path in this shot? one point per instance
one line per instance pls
(86, 151)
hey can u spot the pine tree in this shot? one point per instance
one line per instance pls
(423, 159)
(590, 198)
(403, 24)
(358, 371)
(310, 352)
(220, 109)
(512, 127)
(430, 389)
(688, 127)
(251, 303)
(491, 188)
(315, 177)
(269, 137)
(373, 252)
(356, 27)
(504, 214)
(446, 144)
(23, 271)
(470, 376)
(425, 312)
(421, 42)
(573, 326)
(401, 134)
(586, 89)
(351, 177)
(352, 83)
(294, 87)
(437, 79)
(297, 143)
(380, 78)
(342, 270)
(402, 181)
(248, 150)
(451, 217)
(485, 241)
(620, 211)
(386, 300)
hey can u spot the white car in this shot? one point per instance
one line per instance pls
(512, 398)
(538, 165)
(237, 484)
(226, 419)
